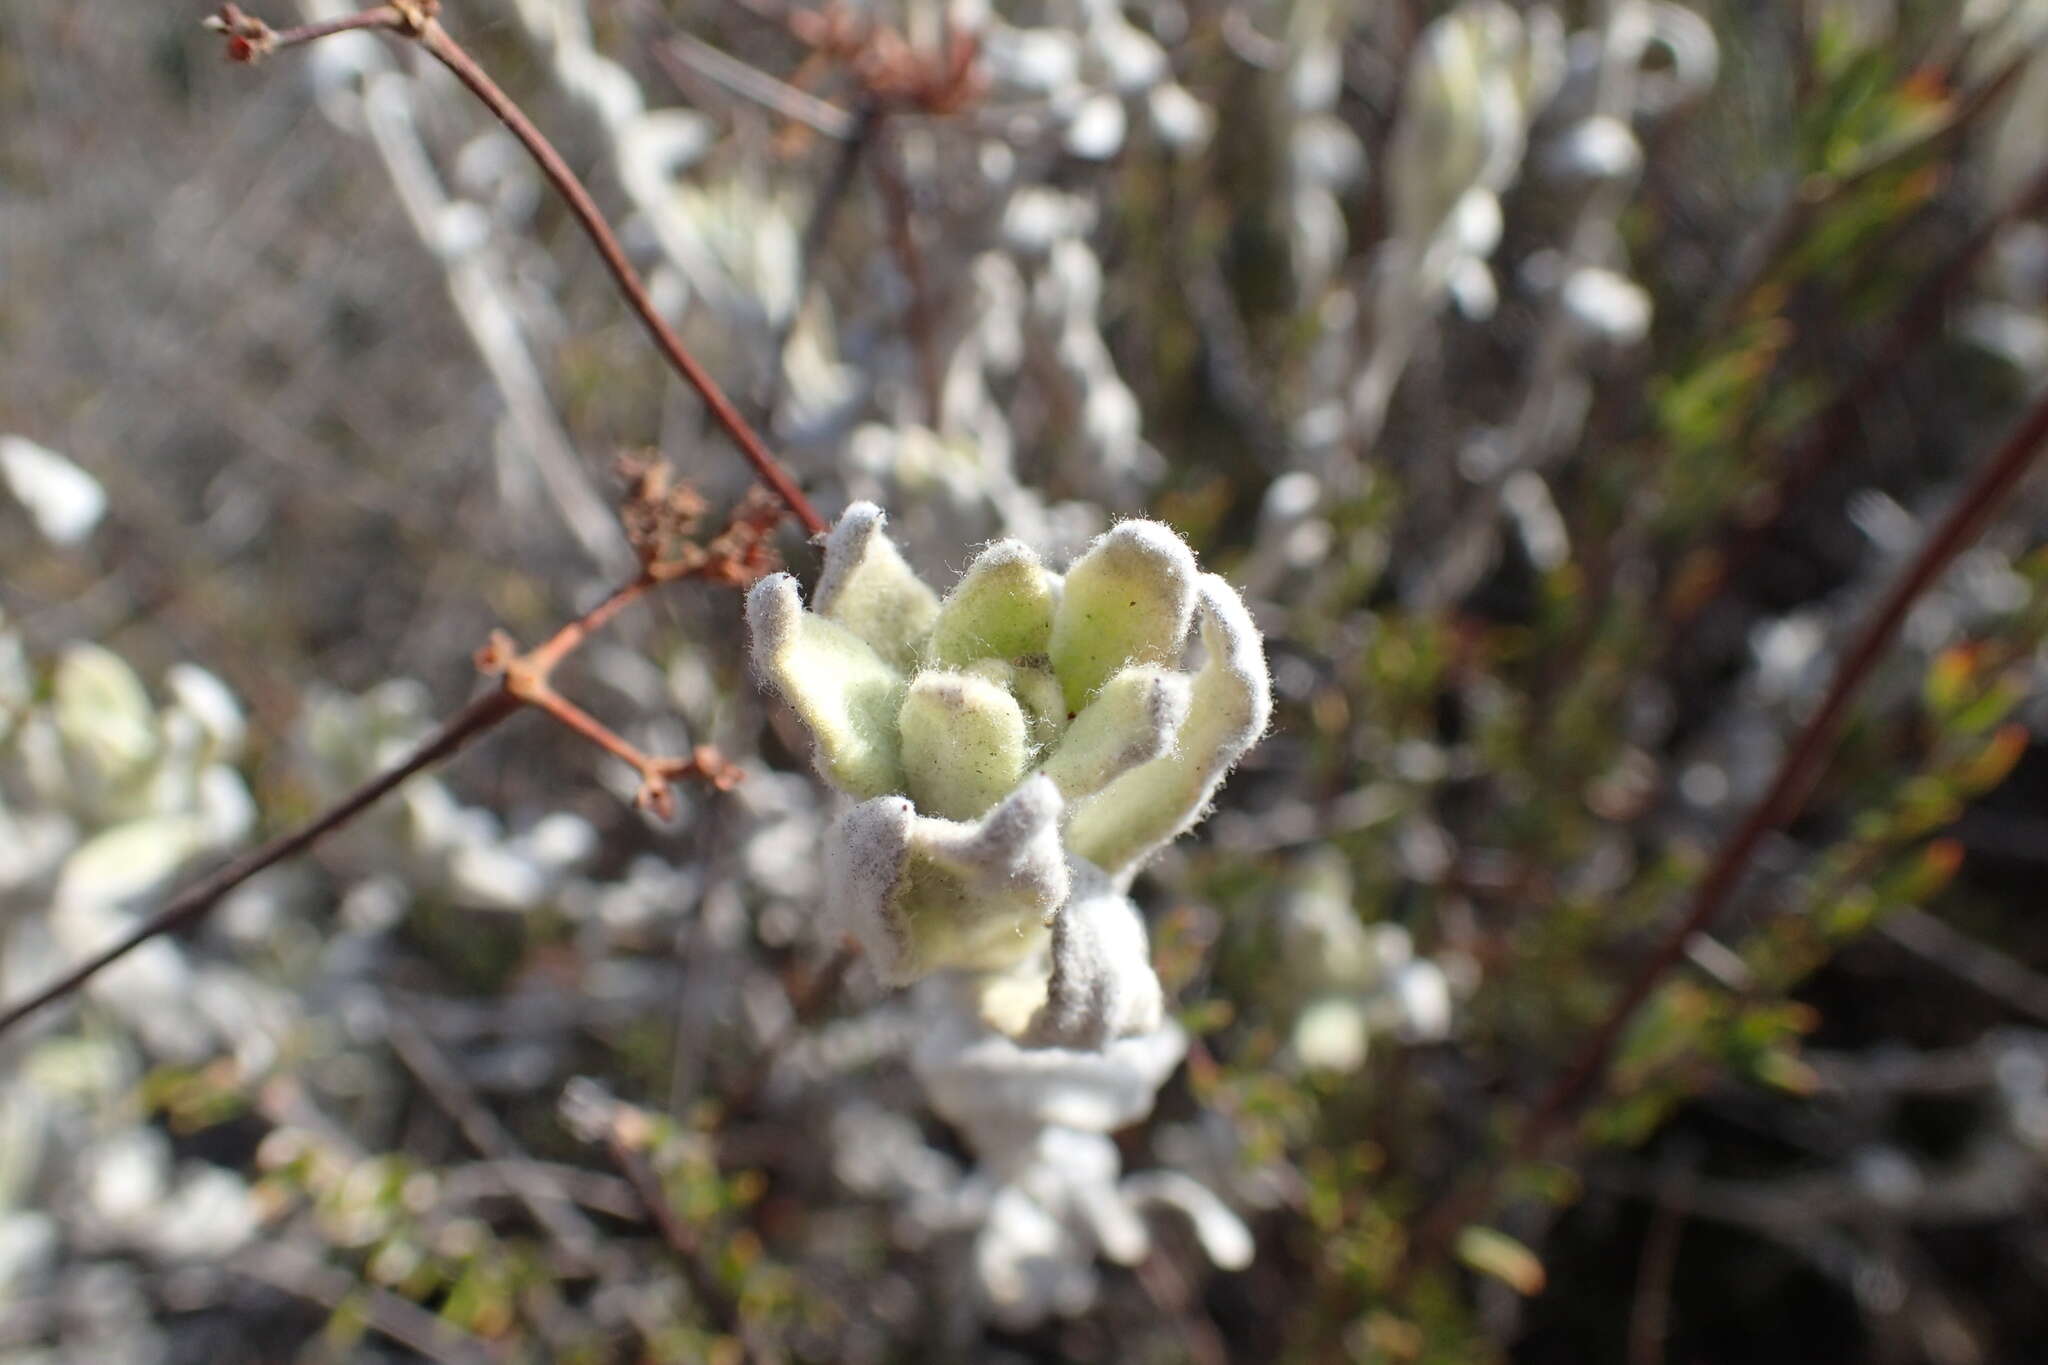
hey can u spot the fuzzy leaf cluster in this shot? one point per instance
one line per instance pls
(1026, 724)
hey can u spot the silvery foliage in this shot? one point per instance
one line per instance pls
(1008, 757)
(106, 794)
(728, 244)
(1648, 58)
(111, 793)
(63, 500)
(727, 241)
(1087, 69)
(1792, 657)
(495, 274)
(1479, 77)
(1324, 158)
(110, 796)
(1491, 91)
(1354, 980)
(723, 242)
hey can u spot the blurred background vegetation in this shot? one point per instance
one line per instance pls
(1563, 384)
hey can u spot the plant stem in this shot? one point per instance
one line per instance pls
(415, 19)
(450, 54)
(1787, 794)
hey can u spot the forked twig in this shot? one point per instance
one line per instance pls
(737, 555)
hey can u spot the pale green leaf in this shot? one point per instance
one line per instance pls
(1141, 810)
(1002, 608)
(1132, 720)
(845, 693)
(925, 894)
(1126, 600)
(866, 587)
(965, 743)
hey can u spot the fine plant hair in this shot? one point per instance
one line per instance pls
(1005, 707)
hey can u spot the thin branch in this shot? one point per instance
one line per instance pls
(250, 39)
(415, 19)
(544, 1198)
(304, 1275)
(659, 517)
(1789, 788)
(734, 557)
(658, 774)
(1802, 763)
(451, 55)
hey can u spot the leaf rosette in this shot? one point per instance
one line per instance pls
(1019, 745)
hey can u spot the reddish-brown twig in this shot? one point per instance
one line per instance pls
(1789, 788)
(659, 516)
(736, 556)
(1831, 433)
(526, 678)
(249, 38)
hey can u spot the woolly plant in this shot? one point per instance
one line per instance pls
(1014, 751)
(1012, 754)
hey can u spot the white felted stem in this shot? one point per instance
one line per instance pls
(866, 587)
(924, 894)
(845, 693)
(1126, 600)
(965, 743)
(1131, 817)
(1001, 609)
(1132, 720)
(989, 1086)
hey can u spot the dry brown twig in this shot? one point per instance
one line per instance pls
(250, 39)
(738, 555)
(659, 515)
